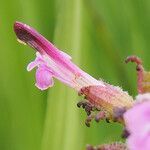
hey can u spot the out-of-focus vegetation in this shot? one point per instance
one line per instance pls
(98, 34)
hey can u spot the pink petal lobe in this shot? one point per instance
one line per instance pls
(66, 55)
(31, 65)
(44, 78)
(38, 61)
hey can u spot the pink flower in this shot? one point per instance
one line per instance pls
(137, 120)
(53, 63)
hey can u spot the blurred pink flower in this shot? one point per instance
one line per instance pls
(137, 121)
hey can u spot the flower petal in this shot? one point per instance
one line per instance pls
(44, 78)
(66, 55)
(31, 65)
(38, 61)
(137, 121)
(142, 110)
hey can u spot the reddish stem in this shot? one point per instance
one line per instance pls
(140, 71)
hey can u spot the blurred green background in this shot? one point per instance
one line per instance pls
(99, 35)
